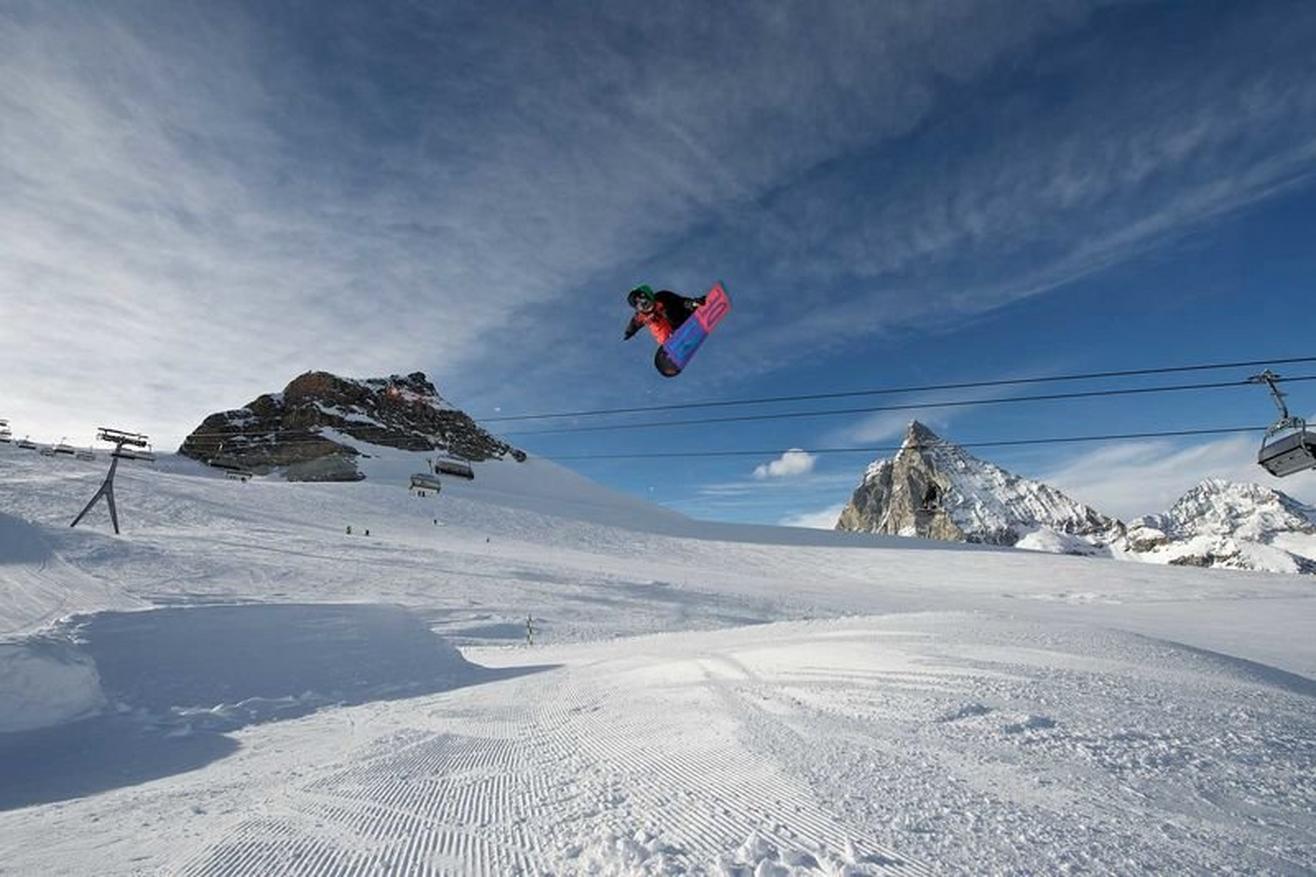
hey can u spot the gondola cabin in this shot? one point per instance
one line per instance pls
(1288, 446)
(1285, 455)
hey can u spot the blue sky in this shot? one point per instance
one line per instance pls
(202, 200)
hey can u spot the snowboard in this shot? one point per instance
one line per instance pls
(675, 354)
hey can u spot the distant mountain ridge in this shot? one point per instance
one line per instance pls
(304, 432)
(1229, 525)
(934, 489)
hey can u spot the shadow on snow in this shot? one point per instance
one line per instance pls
(177, 679)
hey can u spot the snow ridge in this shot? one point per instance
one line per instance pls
(1229, 525)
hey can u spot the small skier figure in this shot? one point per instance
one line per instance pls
(661, 311)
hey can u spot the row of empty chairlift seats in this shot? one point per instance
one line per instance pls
(64, 449)
(1288, 447)
(432, 481)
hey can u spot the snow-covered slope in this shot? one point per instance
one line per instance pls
(699, 698)
(935, 489)
(1229, 525)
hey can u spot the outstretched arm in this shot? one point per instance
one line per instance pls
(632, 327)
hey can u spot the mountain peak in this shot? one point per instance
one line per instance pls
(1230, 524)
(919, 438)
(935, 489)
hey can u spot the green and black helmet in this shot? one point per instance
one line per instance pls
(639, 293)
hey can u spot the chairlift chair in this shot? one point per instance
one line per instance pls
(426, 481)
(145, 454)
(26, 444)
(64, 448)
(1288, 446)
(453, 466)
(85, 454)
(6, 436)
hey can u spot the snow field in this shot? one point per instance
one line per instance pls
(286, 710)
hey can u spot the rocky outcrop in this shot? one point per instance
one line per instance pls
(306, 431)
(1228, 525)
(937, 490)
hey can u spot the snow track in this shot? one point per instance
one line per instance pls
(573, 770)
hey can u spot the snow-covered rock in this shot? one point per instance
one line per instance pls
(306, 432)
(1231, 525)
(935, 489)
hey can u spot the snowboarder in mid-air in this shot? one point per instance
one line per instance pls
(662, 312)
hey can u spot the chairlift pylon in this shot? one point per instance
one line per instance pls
(1288, 446)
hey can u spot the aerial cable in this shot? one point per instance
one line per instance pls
(312, 437)
(909, 406)
(1054, 440)
(964, 385)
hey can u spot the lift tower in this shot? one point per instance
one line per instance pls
(120, 440)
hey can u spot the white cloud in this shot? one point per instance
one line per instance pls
(207, 203)
(822, 519)
(1129, 479)
(791, 464)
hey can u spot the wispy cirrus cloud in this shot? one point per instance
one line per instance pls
(212, 200)
(1129, 479)
(820, 519)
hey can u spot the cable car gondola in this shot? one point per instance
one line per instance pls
(1288, 446)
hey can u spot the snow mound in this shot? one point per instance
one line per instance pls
(20, 542)
(46, 682)
(218, 668)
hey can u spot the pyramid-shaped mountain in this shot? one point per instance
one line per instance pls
(935, 489)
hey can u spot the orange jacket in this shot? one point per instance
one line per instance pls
(669, 311)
